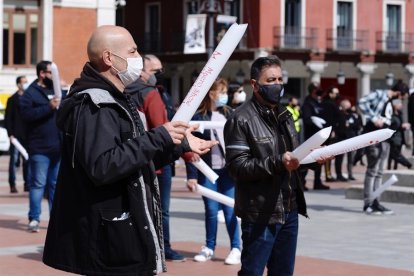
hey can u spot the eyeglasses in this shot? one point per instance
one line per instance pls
(159, 71)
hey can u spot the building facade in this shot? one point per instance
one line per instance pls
(367, 42)
(57, 30)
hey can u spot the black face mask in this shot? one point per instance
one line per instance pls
(271, 93)
(160, 77)
(48, 83)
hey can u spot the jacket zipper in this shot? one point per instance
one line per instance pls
(134, 130)
(290, 174)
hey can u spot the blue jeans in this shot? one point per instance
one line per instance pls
(273, 246)
(225, 186)
(164, 180)
(43, 171)
(14, 158)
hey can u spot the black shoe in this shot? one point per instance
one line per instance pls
(342, 179)
(13, 190)
(351, 178)
(372, 210)
(330, 179)
(320, 186)
(382, 208)
(174, 256)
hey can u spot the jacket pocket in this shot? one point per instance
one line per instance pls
(118, 240)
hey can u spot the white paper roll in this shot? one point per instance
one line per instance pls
(354, 143)
(312, 143)
(210, 72)
(56, 80)
(393, 179)
(20, 148)
(208, 125)
(206, 170)
(319, 122)
(215, 196)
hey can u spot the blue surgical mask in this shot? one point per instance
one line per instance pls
(222, 100)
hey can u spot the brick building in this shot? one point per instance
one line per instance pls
(57, 30)
(363, 40)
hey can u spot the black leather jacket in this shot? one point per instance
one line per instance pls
(256, 138)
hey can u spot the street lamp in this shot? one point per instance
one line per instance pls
(389, 79)
(340, 77)
(240, 76)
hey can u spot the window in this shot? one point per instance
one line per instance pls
(20, 37)
(393, 36)
(292, 23)
(344, 25)
(152, 26)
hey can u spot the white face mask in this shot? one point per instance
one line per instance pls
(239, 97)
(133, 71)
(25, 85)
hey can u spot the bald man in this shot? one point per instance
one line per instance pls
(106, 217)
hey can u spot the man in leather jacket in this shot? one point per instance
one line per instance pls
(260, 137)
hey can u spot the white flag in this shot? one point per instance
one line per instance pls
(195, 42)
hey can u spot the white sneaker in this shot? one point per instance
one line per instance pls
(33, 226)
(220, 216)
(234, 257)
(204, 255)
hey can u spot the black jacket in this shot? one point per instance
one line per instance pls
(43, 136)
(106, 170)
(310, 107)
(13, 119)
(256, 139)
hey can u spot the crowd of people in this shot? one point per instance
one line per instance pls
(104, 158)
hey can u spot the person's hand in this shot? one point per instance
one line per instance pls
(379, 123)
(406, 125)
(291, 163)
(177, 130)
(198, 145)
(192, 185)
(321, 160)
(194, 157)
(54, 103)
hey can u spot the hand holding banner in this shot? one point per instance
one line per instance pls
(312, 143)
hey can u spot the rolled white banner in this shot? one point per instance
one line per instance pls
(317, 121)
(20, 148)
(206, 170)
(56, 80)
(210, 72)
(393, 179)
(208, 125)
(354, 143)
(215, 196)
(312, 143)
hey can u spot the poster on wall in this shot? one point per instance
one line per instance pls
(195, 42)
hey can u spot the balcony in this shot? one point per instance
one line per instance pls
(347, 40)
(395, 42)
(294, 37)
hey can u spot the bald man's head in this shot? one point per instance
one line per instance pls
(107, 38)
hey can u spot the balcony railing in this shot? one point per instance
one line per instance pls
(347, 40)
(294, 37)
(395, 42)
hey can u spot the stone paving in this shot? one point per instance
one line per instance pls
(338, 239)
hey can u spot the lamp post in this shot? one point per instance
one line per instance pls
(389, 79)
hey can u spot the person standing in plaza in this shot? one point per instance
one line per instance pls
(16, 129)
(410, 114)
(312, 107)
(146, 95)
(106, 217)
(214, 108)
(260, 137)
(377, 109)
(38, 107)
